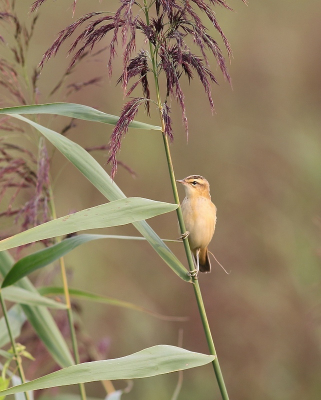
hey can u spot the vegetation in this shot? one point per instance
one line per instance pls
(168, 29)
(260, 153)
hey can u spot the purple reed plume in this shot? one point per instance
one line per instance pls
(168, 28)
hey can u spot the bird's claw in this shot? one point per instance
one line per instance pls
(193, 274)
(184, 235)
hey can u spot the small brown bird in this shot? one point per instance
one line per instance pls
(199, 215)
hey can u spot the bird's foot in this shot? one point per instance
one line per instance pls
(193, 274)
(184, 235)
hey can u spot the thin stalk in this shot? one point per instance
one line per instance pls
(197, 289)
(13, 345)
(71, 323)
(68, 304)
(109, 387)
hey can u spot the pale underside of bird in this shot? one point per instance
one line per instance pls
(199, 215)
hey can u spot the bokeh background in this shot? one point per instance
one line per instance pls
(260, 152)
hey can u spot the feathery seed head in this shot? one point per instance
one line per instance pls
(168, 31)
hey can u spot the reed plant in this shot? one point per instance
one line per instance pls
(170, 29)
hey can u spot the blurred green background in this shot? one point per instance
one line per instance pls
(261, 154)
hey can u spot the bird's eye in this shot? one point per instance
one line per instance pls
(194, 183)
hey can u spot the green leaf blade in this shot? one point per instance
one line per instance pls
(40, 319)
(84, 295)
(73, 110)
(44, 257)
(95, 173)
(149, 362)
(22, 296)
(115, 213)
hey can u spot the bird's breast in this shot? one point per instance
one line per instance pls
(200, 218)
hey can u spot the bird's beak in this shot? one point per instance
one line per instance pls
(180, 181)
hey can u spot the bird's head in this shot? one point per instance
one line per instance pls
(196, 185)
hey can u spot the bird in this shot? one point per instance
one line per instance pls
(199, 214)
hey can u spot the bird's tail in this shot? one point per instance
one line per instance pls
(204, 260)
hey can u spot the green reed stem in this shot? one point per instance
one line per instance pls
(13, 345)
(68, 304)
(197, 289)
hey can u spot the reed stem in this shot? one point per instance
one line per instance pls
(197, 289)
(68, 304)
(196, 286)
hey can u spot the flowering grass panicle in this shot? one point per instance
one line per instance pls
(24, 174)
(20, 174)
(168, 28)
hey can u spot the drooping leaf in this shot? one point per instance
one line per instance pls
(81, 294)
(22, 296)
(73, 110)
(115, 213)
(94, 172)
(149, 362)
(46, 256)
(41, 319)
